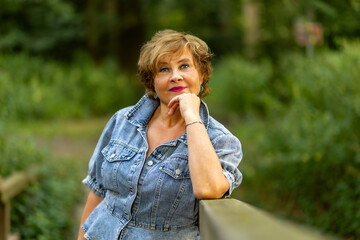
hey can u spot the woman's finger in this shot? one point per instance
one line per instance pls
(185, 103)
(173, 101)
(173, 108)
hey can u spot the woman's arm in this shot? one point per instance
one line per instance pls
(206, 173)
(91, 203)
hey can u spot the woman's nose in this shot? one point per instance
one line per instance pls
(176, 75)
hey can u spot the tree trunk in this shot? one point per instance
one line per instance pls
(92, 33)
(131, 34)
(251, 27)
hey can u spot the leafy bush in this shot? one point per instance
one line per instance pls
(43, 209)
(312, 145)
(241, 86)
(35, 88)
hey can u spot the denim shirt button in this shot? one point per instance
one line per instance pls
(113, 155)
(177, 171)
(150, 163)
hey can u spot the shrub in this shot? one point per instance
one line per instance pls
(313, 145)
(43, 209)
(241, 86)
(35, 88)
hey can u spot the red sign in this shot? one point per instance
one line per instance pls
(308, 33)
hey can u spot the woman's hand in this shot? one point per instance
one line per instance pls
(188, 104)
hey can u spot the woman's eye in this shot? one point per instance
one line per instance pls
(163, 69)
(184, 66)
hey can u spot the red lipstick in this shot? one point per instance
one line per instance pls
(177, 89)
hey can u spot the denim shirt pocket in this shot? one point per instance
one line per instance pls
(117, 156)
(177, 167)
(117, 151)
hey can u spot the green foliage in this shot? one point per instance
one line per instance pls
(34, 88)
(43, 209)
(311, 147)
(241, 86)
(118, 28)
(14, 151)
(51, 27)
(216, 21)
(337, 18)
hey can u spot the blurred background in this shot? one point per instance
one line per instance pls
(285, 82)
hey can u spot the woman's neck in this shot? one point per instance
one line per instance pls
(161, 114)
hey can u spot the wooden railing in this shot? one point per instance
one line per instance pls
(231, 219)
(10, 187)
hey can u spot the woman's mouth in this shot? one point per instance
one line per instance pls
(177, 89)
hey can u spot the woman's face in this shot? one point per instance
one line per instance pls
(177, 74)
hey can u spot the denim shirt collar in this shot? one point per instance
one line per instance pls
(141, 113)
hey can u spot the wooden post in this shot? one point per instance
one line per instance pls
(9, 188)
(4, 220)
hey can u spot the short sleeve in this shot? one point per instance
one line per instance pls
(228, 149)
(94, 179)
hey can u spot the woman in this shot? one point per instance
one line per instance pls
(155, 160)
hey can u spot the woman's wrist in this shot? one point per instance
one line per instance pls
(191, 117)
(190, 120)
(193, 122)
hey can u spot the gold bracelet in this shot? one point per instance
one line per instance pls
(197, 121)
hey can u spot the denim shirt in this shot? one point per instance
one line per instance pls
(150, 198)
